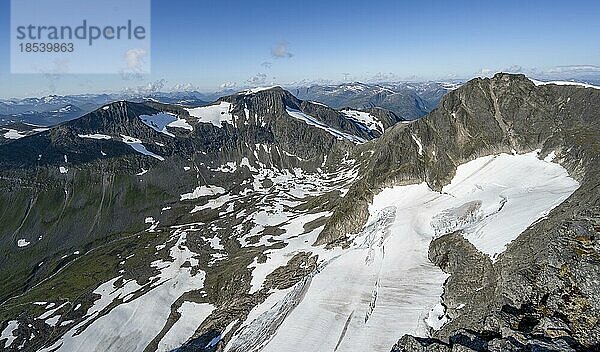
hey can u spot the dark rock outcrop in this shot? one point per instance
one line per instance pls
(542, 293)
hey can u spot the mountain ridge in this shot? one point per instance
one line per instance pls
(122, 119)
(239, 200)
(499, 139)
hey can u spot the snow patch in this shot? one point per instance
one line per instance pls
(181, 123)
(95, 136)
(23, 243)
(214, 114)
(364, 118)
(131, 325)
(215, 243)
(53, 321)
(312, 121)
(203, 191)
(564, 83)
(550, 157)
(437, 317)
(418, 141)
(228, 167)
(137, 145)
(212, 203)
(8, 333)
(14, 134)
(257, 89)
(192, 315)
(160, 121)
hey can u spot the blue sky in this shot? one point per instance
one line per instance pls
(204, 44)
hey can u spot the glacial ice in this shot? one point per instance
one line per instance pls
(384, 286)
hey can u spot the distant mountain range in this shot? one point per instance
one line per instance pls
(408, 101)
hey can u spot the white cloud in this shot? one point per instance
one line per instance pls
(155, 86)
(514, 69)
(281, 50)
(574, 68)
(258, 79)
(150, 87)
(383, 77)
(184, 87)
(485, 72)
(228, 85)
(135, 59)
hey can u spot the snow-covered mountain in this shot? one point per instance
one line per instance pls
(265, 222)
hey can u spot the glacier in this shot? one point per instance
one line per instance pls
(384, 286)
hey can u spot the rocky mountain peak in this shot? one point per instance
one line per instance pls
(504, 114)
(120, 117)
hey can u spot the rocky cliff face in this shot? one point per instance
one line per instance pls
(540, 293)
